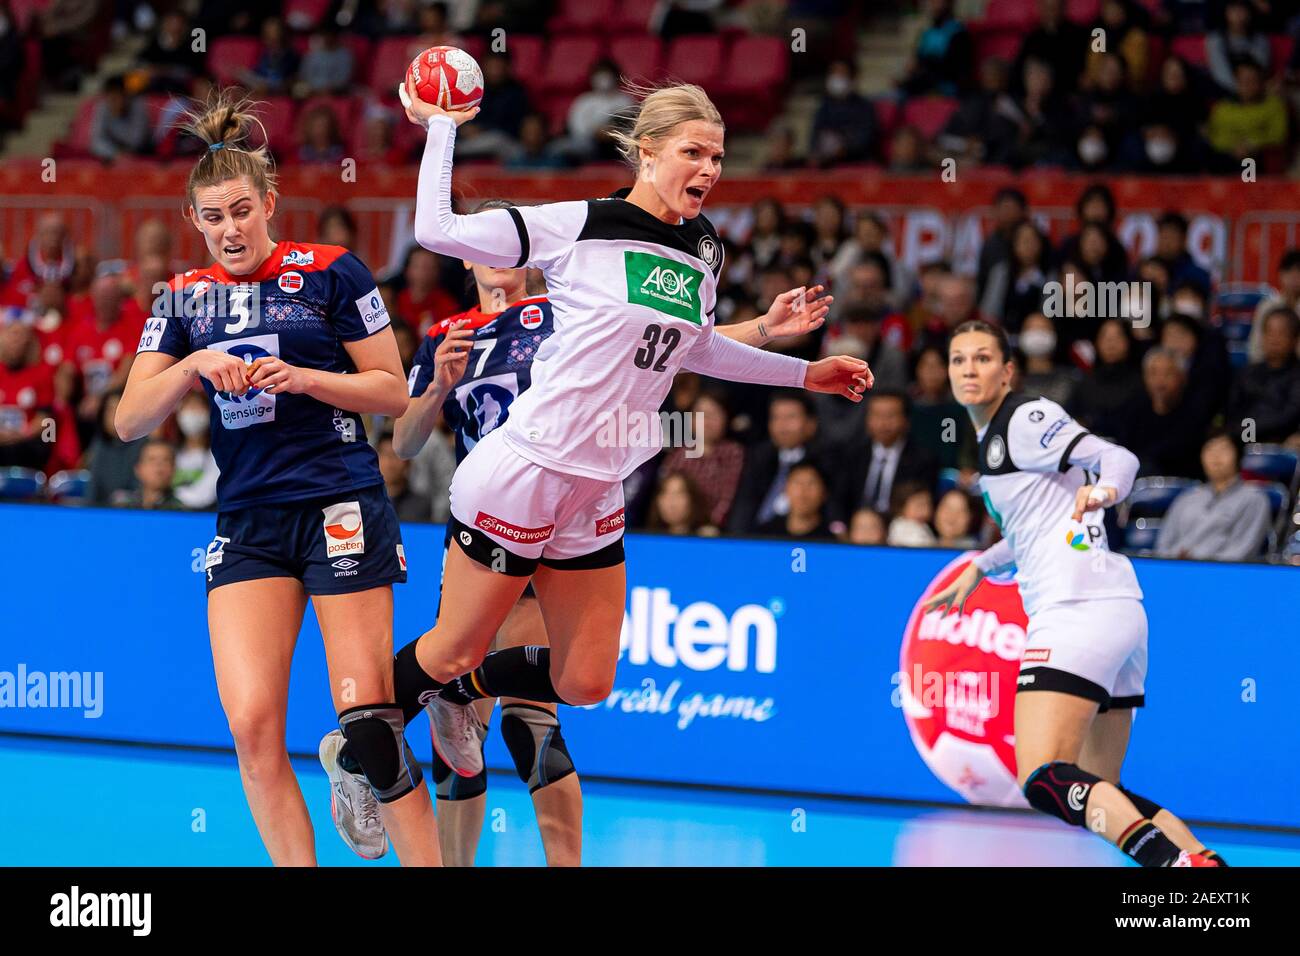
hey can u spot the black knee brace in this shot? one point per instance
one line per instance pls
(1148, 808)
(1061, 790)
(449, 785)
(532, 735)
(376, 741)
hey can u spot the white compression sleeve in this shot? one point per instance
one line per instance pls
(1116, 465)
(488, 238)
(725, 358)
(995, 557)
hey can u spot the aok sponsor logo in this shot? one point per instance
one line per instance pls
(664, 285)
(699, 636)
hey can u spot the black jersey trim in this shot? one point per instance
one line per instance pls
(999, 427)
(620, 220)
(522, 229)
(1065, 455)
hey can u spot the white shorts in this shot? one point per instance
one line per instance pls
(511, 514)
(1095, 649)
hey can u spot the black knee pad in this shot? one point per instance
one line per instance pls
(1061, 790)
(449, 785)
(532, 735)
(376, 741)
(1148, 808)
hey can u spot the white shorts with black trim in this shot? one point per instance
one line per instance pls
(1096, 649)
(511, 514)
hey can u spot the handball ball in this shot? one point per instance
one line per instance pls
(447, 77)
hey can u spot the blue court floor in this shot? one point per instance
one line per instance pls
(104, 805)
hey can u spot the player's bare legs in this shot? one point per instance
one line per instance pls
(1103, 754)
(558, 805)
(358, 634)
(583, 611)
(254, 626)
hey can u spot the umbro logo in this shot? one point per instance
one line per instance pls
(345, 564)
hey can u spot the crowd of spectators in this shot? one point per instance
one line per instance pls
(897, 468)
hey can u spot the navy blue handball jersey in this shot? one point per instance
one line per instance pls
(498, 370)
(301, 305)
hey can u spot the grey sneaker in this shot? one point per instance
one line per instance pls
(458, 735)
(352, 803)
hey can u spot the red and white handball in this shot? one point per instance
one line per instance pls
(447, 77)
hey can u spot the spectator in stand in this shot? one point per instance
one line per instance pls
(1015, 285)
(860, 335)
(1106, 112)
(1202, 348)
(1121, 23)
(908, 151)
(49, 257)
(1040, 373)
(195, 481)
(1028, 125)
(1254, 122)
(1163, 431)
(423, 301)
(937, 423)
(888, 458)
(679, 508)
(1288, 282)
(791, 430)
(120, 126)
(277, 63)
(320, 140)
(1237, 40)
(956, 304)
(327, 65)
(111, 460)
(715, 462)
(104, 330)
(27, 398)
(1181, 109)
(925, 307)
(913, 510)
(592, 115)
(956, 520)
(871, 239)
(378, 145)
(830, 230)
(844, 127)
(867, 527)
(498, 128)
(1010, 209)
(433, 28)
(1058, 41)
(765, 237)
(867, 286)
(945, 55)
(1225, 519)
(1114, 383)
(337, 227)
(397, 472)
(68, 40)
(1096, 205)
(683, 17)
(781, 153)
(532, 152)
(1265, 401)
(170, 58)
(963, 135)
(1156, 150)
(806, 490)
(155, 470)
(1095, 257)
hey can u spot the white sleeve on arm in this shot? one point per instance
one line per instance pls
(1114, 465)
(503, 238)
(995, 558)
(721, 357)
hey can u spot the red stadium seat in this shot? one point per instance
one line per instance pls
(886, 115)
(581, 16)
(277, 115)
(1000, 43)
(569, 60)
(1016, 14)
(305, 14)
(696, 59)
(639, 57)
(1083, 11)
(77, 142)
(229, 56)
(756, 69)
(391, 57)
(345, 109)
(526, 59)
(1191, 48)
(1282, 47)
(26, 11)
(632, 16)
(929, 113)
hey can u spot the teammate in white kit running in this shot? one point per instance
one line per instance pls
(1046, 482)
(632, 283)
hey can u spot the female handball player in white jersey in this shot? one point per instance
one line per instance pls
(292, 345)
(1046, 482)
(632, 285)
(468, 372)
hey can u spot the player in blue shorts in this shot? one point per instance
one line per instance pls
(469, 370)
(292, 344)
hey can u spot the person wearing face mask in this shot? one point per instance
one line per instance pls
(1092, 149)
(195, 483)
(1040, 373)
(844, 126)
(592, 115)
(1157, 151)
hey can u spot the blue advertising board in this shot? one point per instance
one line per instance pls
(755, 664)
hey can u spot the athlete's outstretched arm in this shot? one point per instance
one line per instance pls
(1116, 466)
(721, 357)
(413, 428)
(490, 238)
(796, 312)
